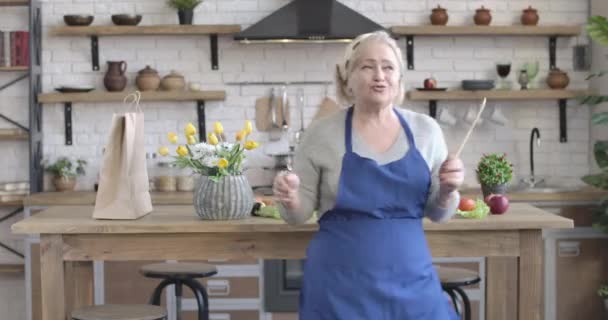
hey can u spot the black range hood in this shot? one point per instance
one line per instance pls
(309, 21)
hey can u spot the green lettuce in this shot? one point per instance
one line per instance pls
(481, 211)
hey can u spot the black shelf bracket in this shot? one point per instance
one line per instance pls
(202, 130)
(11, 214)
(95, 52)
(213, 46)
(433, 108)
(11, 250)
(12, 82)
(563, 128)
(67, 113)
(552, 49)
(409, 49)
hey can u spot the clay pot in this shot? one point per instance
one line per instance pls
(482, 16)
(529, 17)
(557, 79)
(439, 17)
(173, 82)
(147, 79)
(63, 183)
(115, 79)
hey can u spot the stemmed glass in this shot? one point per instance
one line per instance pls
(503, 69)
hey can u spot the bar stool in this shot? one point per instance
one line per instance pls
(452, 281)
(120, 312)
(178, 274)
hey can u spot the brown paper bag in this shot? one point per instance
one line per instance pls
(123, 180)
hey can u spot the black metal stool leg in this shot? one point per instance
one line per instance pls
(155, 299)
(178, 299)
(466, 302)
(450, 292)
(201, 298)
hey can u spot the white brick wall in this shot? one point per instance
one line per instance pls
(449, 59)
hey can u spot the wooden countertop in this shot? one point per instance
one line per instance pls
(183, 219)
(176, 198)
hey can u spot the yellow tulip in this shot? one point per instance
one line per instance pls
(212, 139)
(191, 140)
(248, 127)
(218, 128)
(190, 130)
(250, 145)
(163, 151)
(222, 163)
(240, 135)
(172, 137)
(182, 151)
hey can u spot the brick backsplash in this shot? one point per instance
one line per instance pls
(449, 59)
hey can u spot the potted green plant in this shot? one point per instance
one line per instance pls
(603, 293)
(65, 171)
(185, 9)
(598, 30)
(494, 172)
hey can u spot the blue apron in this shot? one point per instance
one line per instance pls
(370, 259)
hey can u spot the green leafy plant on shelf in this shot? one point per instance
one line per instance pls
(183, 4)
(598, 30)
(65, 167)
(603, 291)
(494, 169)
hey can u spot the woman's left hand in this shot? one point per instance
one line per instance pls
(451, 175)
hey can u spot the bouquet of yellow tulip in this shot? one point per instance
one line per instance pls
(215, 158)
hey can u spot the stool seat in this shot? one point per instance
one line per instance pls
(457, 277)
(120, 312)
(180, 270)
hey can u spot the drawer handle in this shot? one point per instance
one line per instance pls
(219, 316)
(218, 287)
(569, 249)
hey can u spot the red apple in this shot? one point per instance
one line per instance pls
(498, 204)
(430, 83)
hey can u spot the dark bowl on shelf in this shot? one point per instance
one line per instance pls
(477, 84)
(78, 19)
(126, 19)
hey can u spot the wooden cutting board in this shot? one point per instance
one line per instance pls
(263, 115)
(328, 106)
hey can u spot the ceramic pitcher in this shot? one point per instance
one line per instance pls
(115, 79)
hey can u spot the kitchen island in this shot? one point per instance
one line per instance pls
(70, 240)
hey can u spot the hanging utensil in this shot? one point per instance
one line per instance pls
(300, 98)
(284, 125)
(273, 114)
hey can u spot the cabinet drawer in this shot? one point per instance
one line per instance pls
(229, 287)
(225, 315)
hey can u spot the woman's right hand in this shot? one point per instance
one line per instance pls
(285, 189)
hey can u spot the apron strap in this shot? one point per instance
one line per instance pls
(349, 124)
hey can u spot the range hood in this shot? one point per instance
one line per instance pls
(309, 21)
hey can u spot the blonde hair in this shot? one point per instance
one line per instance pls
(345, 67)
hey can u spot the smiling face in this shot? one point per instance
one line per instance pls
(375, 76)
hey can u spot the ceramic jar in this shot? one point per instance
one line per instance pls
(229, 198)
(173, 82)
(115, 79)
(482, 17)
(529, 17)
(557, 79)
(62, 184)
(439, 17)
(147, 79)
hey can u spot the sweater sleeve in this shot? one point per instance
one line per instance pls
(309, 174)
(438, 154)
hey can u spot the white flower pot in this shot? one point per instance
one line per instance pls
(228, 199)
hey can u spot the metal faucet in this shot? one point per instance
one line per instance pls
(532, 182)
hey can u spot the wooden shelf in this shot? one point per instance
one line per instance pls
(12, 203)
(14, 69)
(10, 3)
(13, 134)
(12, 268)
(486, 30)
(544, 94)
(103, 96)
(146, 30)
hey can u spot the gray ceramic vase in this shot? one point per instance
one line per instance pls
(230, 198)
(497, 189)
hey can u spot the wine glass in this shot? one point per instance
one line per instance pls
(503, 68)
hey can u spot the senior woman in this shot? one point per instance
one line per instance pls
(372, 171)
